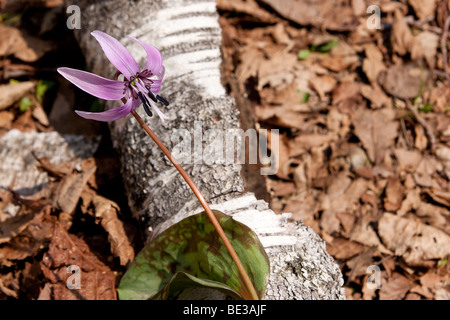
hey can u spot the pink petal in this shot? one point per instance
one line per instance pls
(117, 54)
(156, 85)
(154, 57)
(111, 114)
(91, 83)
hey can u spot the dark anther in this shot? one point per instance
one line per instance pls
(145, 104)
(151, 95)
(163, 100)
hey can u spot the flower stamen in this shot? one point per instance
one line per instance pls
(145, 103)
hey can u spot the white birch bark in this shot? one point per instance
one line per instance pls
(188, 34)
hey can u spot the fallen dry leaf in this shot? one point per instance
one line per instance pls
(68, 191)
(408, 160)
(424, 9)
(376, 96)
(376, 130)
(425, 45)
(319, 13)
(403, 81)
(414, 241)
(10, 93)
(97, 281)
(249, 7)
(402, 37)
(30, 241)
(373, 63)
(395, 288)
(105, 212)
(23, 46)
(323, 85)
(394, 194)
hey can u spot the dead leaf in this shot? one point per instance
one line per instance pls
(394, 194)
(396, 287)
(403, 81)
(373, 63)
(402, 37)
(346, 97)
(30, 241)
(40, 115)
(67, 192)
(363, 231)
(343, 249)
(376, 96)
(359, 263)
(6, 119)
(376, 130)
(105, 212)
(413, 240)
(13, 226)
(249, 7)
(97, 281)
(425, 171)
(319, 13)
(323, 85)
(341, 57)
(408, 160)
(438, 97)
(10, 93)
(23, 46)
(424, 9)
(425, 45)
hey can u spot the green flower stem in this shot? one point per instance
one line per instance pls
(251, 294)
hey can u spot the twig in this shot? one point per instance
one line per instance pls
(421, 25)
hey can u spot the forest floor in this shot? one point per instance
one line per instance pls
(362, 104)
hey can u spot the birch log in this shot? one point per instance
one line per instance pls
(188, 34)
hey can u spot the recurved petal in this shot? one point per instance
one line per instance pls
(156, 85)
(154, 57)
(119, 56)
(111, 114)
(91, 83)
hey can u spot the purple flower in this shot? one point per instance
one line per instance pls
(138, 87)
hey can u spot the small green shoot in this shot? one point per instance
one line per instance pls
(41, 88)
(426, 108)
(322, 48)
(25, 103)
(442, 263)
(305, 98)
(303, 54)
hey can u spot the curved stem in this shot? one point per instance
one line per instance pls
(251, 290)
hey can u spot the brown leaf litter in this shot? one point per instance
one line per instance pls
(364, 131)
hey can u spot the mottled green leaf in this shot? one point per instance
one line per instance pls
(181, 285)
(193, 247)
